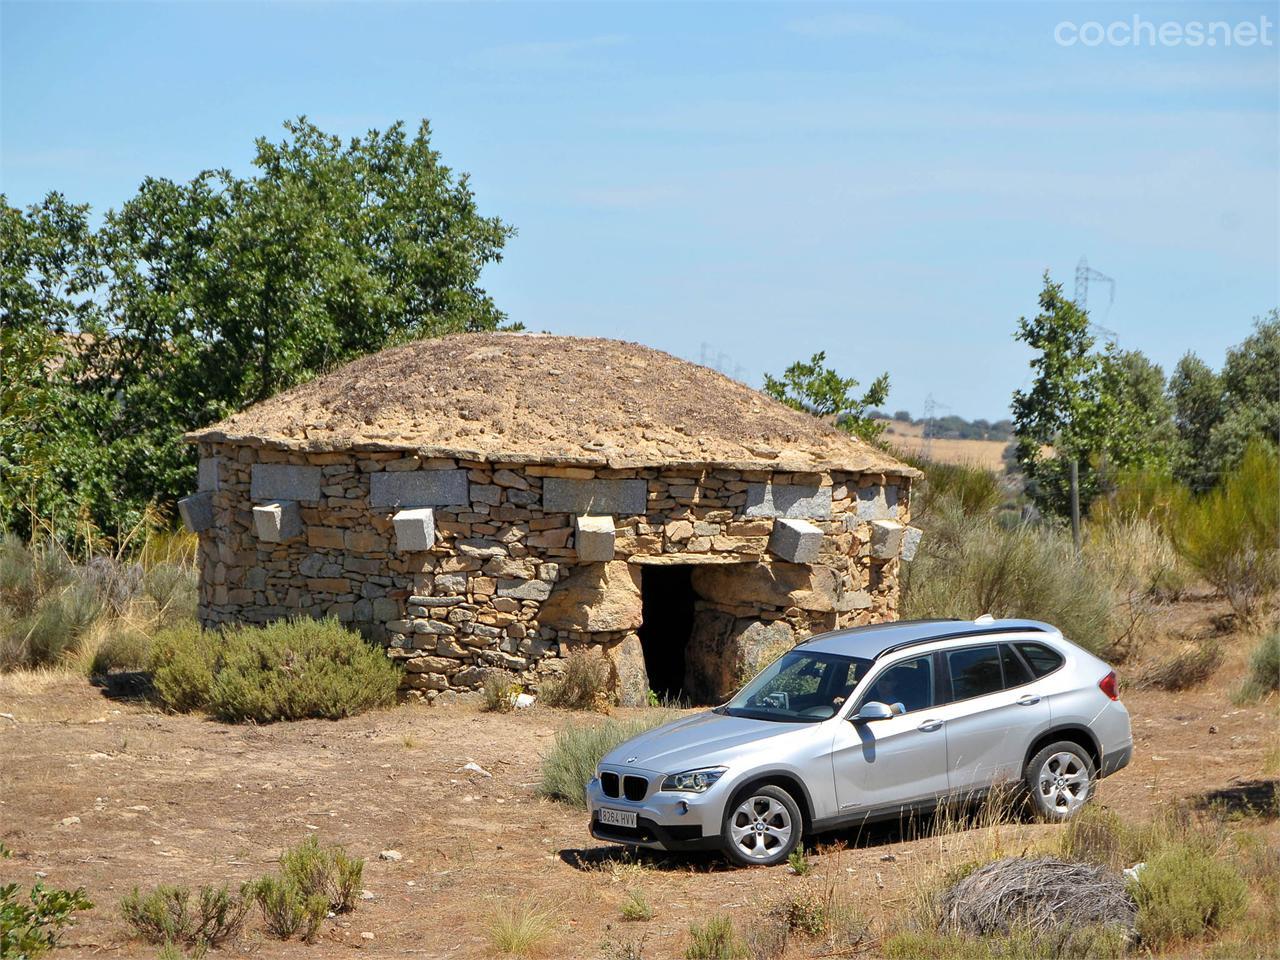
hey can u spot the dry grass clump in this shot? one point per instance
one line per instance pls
(716, 939)
(1263, 677)
(169, 914)
(500, 690)
(637, 907)
(586, 683)
(1036, 895)
(577, 751)
(1185, 669)
(287, 911)
(520, 929)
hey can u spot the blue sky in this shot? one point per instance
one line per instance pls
(747, 182)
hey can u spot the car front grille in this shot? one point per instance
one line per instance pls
(634, 788)
(609, 784)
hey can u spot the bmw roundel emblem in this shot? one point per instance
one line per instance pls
(632, 759)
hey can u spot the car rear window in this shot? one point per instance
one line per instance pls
(975, 671)
(1041, 659)
(1015, 671)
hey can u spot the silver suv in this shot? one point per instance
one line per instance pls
(870, 723)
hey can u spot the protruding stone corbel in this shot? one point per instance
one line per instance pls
(277, 521)
(911, 543)
(886, 538)
(415, 529)
(594, 538)
(197, 511)
(796, 541)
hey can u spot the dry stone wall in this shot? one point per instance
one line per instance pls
(457, 567)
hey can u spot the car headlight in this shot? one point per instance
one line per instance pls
(693, 781)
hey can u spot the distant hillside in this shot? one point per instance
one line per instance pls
(954, 428)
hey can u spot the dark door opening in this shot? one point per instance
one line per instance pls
(666, 596)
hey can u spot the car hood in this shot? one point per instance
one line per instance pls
(703, 740)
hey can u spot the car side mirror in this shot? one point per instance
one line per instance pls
(873, 710)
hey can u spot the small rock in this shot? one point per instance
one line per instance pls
(524, 700)
(7, 716)
(472, 767)
(366, 935)
(392, 855)
(367, 895)
(40, 874)
(70, 821)
(888, 858)
(1213, 728)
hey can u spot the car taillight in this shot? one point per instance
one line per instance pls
(1108, 685)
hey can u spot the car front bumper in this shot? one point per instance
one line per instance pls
(664, 820)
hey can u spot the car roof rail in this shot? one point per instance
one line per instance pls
(979, 630)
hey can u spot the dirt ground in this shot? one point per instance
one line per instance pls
(108, 793)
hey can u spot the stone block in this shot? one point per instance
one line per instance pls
(197, 511)
(627, 497)
(284, 481)
(599, 598)
(876, 503)
(524, 589)
(886, 538)
(419, 488)
(792, 500)
(277, 521)
(911, 543)
(415, 529)
(796, 541)
(207, 474)
(594, 537)
(325, 537)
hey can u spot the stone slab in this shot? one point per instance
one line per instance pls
(197, 511)
(626, 497)
(886, 538)
(594, 539)
(284, 481)
(911, 543)
(877, 503)
(207, 474)
(796, 541)
(419, 488)
(524, 589)
(415, 529)
(277, 521)
(792, 500)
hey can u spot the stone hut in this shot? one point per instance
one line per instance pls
(487, 501)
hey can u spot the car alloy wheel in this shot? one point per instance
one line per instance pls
(1064, 783)
(760, 828)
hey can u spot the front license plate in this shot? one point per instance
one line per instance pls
(616, 818)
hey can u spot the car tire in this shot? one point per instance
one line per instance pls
(761, 826)
(1060, 780)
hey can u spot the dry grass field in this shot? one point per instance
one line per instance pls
(108, 793)
(908, 438)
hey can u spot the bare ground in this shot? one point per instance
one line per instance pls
(179, 799)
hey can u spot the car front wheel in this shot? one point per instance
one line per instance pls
(762, 826)
(1060, 780)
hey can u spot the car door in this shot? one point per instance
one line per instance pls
(899, 760)
(988, 719)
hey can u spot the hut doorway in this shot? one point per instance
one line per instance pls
(667, 600)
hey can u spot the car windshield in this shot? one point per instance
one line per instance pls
(799, 687)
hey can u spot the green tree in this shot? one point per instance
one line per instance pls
(1196, 393)
(817, 389)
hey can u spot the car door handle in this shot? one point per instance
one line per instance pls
(1027, 699)
(929, 726)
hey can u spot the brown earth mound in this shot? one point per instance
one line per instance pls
(540, 398)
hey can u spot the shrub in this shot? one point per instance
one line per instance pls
(578, 749)
(1140, 558)
(1183, 892)
(324, 871)
(1060, 943)
(124, 647)
(181, 665)
(975, 490)
(167, 914)
(714, 940)
(970, 565)
(30, 929)
(1185, 669)
(637, 907)
(1140, 494)
(585, 684)
(1264, 669)
(1229, 535)
(799, 863)
(287, 670)
(500, 689)
(287, 911)
(520, 929)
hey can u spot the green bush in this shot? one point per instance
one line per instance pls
(637, 908)
(1147, 495)
(585, 684)
(323, 871)
(124, 647)
(182, 660)
(30, 929)
(168, 914)
(970, 565)
(1264, 669)
(975, 490)
(287, 911)
(1184, 892)
(1230, 534)
(578, 749)
(714, 940)
(287, 670)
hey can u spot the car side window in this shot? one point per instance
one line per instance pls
(1015, 671)
(974, 671)
(1041, 659)
(909, 682)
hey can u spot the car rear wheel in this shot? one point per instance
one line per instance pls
(761, 827)
(1060, 780)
